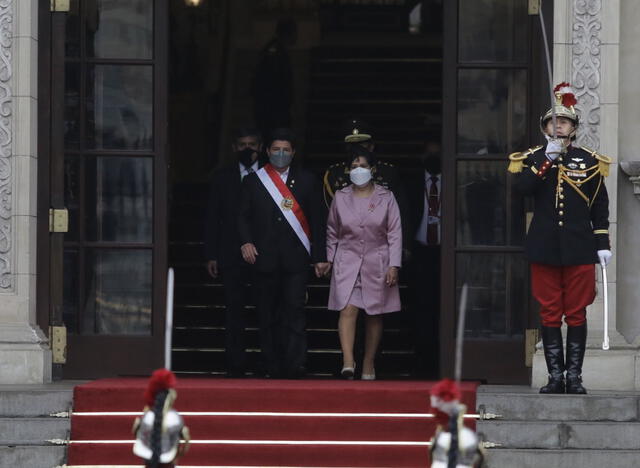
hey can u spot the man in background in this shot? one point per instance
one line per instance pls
(222, 242)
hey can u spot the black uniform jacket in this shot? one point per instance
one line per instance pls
(222, 240)
(261, 222)
(571, 217)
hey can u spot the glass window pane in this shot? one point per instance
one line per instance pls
(118, 292)
(492, 111)
(492, 30)
(122, 30)
(120, 107)
(72, 195)
(119, 199)
(70, 289)
(489, 212)
(497, 300)
(72, 106)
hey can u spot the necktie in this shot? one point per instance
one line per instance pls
(248, 170)
(434, 208)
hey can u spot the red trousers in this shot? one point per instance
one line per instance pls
(563, 290)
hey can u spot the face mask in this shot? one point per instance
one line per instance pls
(280, 159)
(245, 156)
(360, 175)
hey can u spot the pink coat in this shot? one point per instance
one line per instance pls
(368, 244)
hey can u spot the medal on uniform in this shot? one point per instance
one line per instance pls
(287, 203)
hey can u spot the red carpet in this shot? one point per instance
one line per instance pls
(390, 439)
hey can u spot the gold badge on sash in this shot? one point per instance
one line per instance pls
(287, 203)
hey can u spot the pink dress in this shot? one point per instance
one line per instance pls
(364, 239)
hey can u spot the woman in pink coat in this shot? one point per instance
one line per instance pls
(364, 248)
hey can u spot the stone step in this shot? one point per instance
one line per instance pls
(32, 457)
(35, 401)
(526, 404)
(30, 431)
(507, 458)
(561, 435)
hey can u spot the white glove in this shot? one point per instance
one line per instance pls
(604, 256)
(555, 147)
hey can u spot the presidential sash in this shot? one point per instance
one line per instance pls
(286, 203)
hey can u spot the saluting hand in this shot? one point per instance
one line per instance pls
(249, 253)
(392, 276)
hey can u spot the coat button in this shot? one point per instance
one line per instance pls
(279, 218)
(561, 197)
(561, 205)
(560, 223)
(561, 212)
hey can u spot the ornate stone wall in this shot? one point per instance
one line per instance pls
(587, 23)
(6, 175)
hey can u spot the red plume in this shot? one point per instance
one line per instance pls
(161, 379)
(560, 86)
(568, 100)
(446, 390)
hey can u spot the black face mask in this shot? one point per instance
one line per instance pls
(432, 164)
(245, 156)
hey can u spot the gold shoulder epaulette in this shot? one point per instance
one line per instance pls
(516, 160)
(603, 161)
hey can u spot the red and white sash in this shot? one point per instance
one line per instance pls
(287, 203)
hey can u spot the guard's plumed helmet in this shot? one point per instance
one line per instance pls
(565, 100)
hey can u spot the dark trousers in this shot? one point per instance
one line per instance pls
(280, 304)
(424, 284)
(235, 281)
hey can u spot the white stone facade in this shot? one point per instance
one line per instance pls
(24, 352)
(597, 48)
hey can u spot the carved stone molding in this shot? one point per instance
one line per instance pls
(632, 169)
(6, 176)
(587, 23)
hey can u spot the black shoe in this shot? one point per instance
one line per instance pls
(554, 356)
(554, 386)
(576, 346)
(298, 373)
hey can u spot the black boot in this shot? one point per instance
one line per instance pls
(554, 355)
(576, 345)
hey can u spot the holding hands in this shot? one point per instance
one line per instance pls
(322, 269)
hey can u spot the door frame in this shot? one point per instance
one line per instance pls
(101, 356)
(486, 366)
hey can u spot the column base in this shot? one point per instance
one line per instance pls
(25, 357)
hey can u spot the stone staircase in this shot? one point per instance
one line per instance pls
(26, 425)
(601, 429)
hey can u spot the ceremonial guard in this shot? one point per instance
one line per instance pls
(453, 445)
(160, 430)
(568, 235)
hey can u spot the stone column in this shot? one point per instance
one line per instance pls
(24, 353)
(586, 53)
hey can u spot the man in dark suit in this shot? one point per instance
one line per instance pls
(282, 226)
(424, 279)
(222, 242)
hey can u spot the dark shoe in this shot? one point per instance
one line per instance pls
(576, 346)
(299, 373)
(554, 386)
(554, 356)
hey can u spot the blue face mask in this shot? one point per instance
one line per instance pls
(280, 158)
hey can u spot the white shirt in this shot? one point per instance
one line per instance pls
(244, 170)
(421, 233)
(284, 175)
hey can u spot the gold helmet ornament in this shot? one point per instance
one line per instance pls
(358, 132)
(563, 107)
